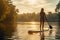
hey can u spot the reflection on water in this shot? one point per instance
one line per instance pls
(23, 28)
(6, 31)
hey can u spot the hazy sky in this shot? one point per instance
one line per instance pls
(25, 6)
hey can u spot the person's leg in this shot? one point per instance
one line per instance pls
(40, 29)
(40, 24)
(43, 25)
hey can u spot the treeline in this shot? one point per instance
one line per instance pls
(52, 17)
(8, 15)
(28, 17)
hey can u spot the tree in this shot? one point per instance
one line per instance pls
(57, 7)
(58, 28)
(8, 15)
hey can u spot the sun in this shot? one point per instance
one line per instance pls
(32, 2)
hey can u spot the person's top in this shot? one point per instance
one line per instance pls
(42, 14)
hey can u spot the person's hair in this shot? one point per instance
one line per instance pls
(42, 9)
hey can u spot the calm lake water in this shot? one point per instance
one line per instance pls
(23, 28)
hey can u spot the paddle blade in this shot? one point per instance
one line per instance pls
(50, 27)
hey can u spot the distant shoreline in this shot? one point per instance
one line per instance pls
(37, 23)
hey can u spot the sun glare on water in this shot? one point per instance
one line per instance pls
(33, 23)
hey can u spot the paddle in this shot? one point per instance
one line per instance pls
(50, 27)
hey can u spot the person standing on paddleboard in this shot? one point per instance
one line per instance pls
(42, 18)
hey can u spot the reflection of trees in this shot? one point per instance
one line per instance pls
(6, 31)
(7, 18)
(58, 28)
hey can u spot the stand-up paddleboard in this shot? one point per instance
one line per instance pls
(32, 31)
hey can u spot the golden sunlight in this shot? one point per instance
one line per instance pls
(31, 2)
(33, 27)
(33, 23)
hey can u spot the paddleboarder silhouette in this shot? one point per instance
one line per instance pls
(42, 18)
